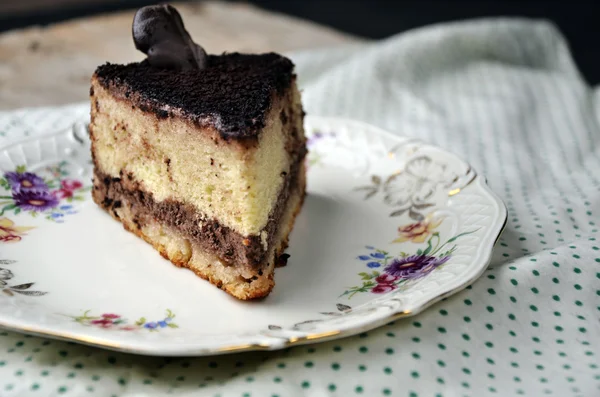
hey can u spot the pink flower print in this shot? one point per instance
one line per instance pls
(386, 279)
(129, 328)
(104, 323)
(110, 316)
(383, 288)
(62, 194)
(70, 184)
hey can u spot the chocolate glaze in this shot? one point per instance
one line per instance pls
(159, 33)
(233, 94)
(224, 242)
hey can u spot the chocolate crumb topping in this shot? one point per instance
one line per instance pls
(233, 94)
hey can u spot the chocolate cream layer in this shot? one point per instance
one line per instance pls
(227, 244)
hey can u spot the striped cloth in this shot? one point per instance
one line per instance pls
(507, 97)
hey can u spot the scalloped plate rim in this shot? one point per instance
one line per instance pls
(265, 342)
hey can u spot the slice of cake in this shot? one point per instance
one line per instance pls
(200, 155)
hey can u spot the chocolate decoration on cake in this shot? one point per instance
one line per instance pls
(158, 32)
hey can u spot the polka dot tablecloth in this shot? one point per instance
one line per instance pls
(506, 96)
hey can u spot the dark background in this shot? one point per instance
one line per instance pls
(579, 20)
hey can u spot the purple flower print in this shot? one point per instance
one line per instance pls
(35, 200)
(414, 266)
(25, 181)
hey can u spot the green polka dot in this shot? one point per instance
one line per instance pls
(466, 337)
(513, 281)
(468, 302)
(533, 307)
(490, 309)
(511, 316)
(331, 387)
(305, 384)
(250, 379)
(335, 366)
(362, 368)
(62, 389)
(387, 370)
(308, 364)
(442, 330)
(281, 365)
(466, 371)
(358, 389)
(556, 298)
(467, 319)
(386, 392)
(389, 350)
(490, 361)
(416, 339)
(35, 386)
(513, 299)
(489, 344)
(417, 324)
(489, 326)
(442, 346)
(441, 363)
(416, 356)
(440, 381)
(363, 349)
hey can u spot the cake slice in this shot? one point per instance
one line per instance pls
(206, 164)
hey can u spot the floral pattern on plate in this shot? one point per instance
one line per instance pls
(405, 269)
(118, 322)
(315, 156)
(30, 192)
(11, 290)
(411, 189)
(11, 233)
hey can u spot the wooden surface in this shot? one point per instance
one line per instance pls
(53, 65)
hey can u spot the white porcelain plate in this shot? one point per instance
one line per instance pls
(389, 226)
